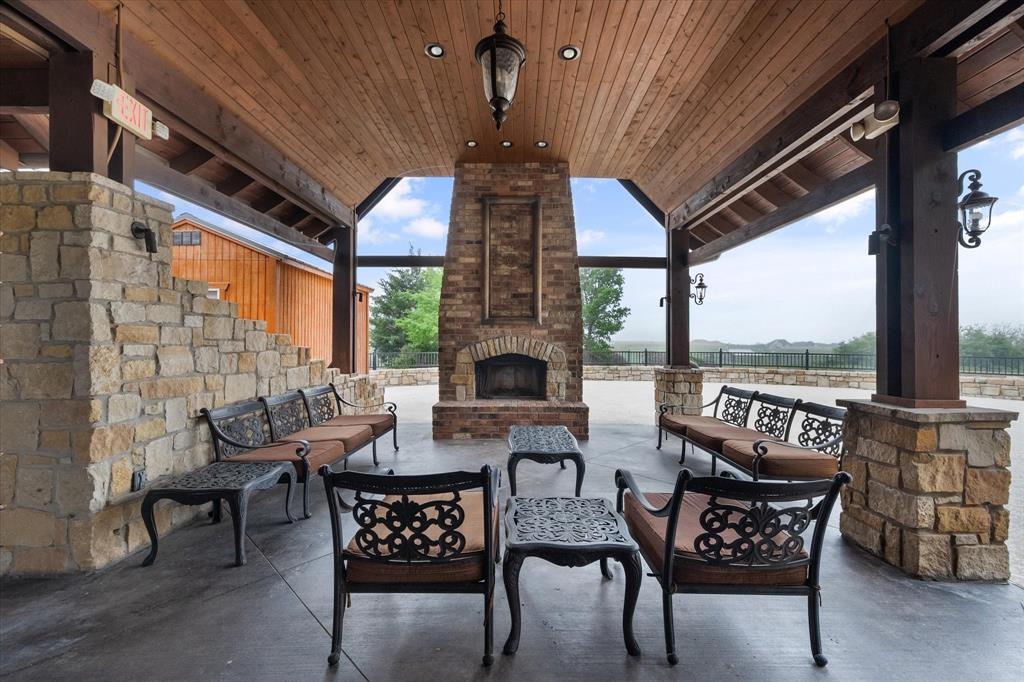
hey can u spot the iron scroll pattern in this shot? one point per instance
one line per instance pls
(815, 432)
(246, 429)
(407, 529)
(772, 420)
(734, 411)
(288, 417)
(758, 536)
(321, 408)
(565, 521)
(227, 475)
(556, 440)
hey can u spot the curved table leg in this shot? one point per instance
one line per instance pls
(147, 518)
(513, 462)
(290, 475)
(634, 574)
(581, 470)
(510, 572)
(239, 508)
(605, 571)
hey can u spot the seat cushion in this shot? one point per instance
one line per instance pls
(470, 566)
(351, 437)
(678, 423)
(321, 453)
(713, 435)
(380, 423)
(781, 461)
(689, 567)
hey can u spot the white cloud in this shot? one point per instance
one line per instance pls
(370, 233)
(585, 237)
(1016, 138)
(400, 203)
(854, 207)
(426, 227)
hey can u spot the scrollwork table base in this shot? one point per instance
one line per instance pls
(231, 481)
(568, 531)
(545, 445)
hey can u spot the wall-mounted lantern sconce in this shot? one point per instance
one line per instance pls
(140, 231)
(975, 210)
(701, 289)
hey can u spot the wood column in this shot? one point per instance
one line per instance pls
(78, 129)
(344, 309)
(678, 294)
(917, 310)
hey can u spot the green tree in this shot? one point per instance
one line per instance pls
(865, 343)
(420, 321)
(1000, 341)
(394, 300)
(603, 312)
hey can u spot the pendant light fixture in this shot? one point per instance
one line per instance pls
(500, 57)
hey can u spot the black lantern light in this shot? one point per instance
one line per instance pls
(500, 57)
(701, 289)
(975, 210)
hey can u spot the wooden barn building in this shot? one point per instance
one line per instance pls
(292, 296)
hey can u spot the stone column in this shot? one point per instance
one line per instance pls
(681, 388)
(929, 488)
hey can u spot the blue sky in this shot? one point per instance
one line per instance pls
(810, 281)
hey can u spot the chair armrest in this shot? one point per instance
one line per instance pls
(495, 484)
(625, 481)
(387, 405)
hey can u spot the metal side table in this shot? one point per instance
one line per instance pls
(544, 444)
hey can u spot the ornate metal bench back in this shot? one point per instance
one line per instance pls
(749, 523)
(821, 424)
(286, 413)
(321, 404)
(733, 405)
(405, 530)
(243, 422)
(774, 414)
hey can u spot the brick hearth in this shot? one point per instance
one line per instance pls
(468, 333)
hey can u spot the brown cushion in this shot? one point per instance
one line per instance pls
(380, 423)
(471, 566)
(782, 461)
(678, 423)
(712, 436)
(689, 567)
(350, 436)
(326, 452)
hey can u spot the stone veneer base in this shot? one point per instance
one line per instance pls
(464, 419)
(681, 388)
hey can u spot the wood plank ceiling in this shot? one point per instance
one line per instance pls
(665, 93)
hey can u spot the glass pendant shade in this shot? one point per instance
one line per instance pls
(501, 57)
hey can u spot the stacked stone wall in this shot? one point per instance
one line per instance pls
(107, 361)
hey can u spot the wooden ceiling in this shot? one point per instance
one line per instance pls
(665, 93)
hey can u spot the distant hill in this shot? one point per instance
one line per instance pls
(699, 345)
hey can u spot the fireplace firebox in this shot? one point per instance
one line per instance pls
(511, 376)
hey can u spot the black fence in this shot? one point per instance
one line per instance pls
(725, 358)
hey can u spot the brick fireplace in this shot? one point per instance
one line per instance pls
(510, 328)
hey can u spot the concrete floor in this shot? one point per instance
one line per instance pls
(193, 616)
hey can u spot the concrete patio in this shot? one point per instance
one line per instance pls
(193, 616)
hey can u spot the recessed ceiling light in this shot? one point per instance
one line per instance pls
(471, 143)
(568, 52)
(506, 143)
(540, 144)
(434, 50)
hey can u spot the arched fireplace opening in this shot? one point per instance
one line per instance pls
(511, 376)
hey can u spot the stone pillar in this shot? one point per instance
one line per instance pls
(929, 488)
(681, 388)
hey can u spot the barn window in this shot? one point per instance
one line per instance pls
(186, 238)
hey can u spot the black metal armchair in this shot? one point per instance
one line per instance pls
(428, 533)
(721, 535)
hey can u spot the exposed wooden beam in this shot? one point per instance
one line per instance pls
(306, 224)
(268, 202)
(374, 197)
(948, 28)
(745, 211)
(773, 194)
(8, 157)
(990, 118)
(865, 149)
(626, 262)
(644, 200)
(294, 216)
(234, 183)
(155, 171)
(37, 126)
(78, 129)
(678, 294)
(821, 198)
(184, 107)
(401, 261)
(800, 176)
(25, 89)
(191, 160)
(17, 28)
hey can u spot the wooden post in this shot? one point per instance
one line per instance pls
(344, 314)
(78, 129)
(917, 310)
(678, 299)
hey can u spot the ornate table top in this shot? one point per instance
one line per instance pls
(565, 523)
(542, 440)
(224, 476)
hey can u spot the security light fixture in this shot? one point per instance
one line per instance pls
(434, 50)
(541, 144)
(975, 210)
(885, 116)
(506, 143)
(471, 143)
(141, 231)
(500, 57)
(568, 53)
(701, 289)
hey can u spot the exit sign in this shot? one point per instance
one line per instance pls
(129, 113)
